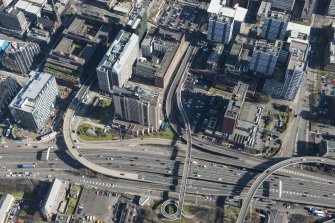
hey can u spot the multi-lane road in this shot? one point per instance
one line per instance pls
(260, 179)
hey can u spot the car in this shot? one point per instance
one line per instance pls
(134, 164)
(5, 146)
(219, 179)
(288, 206)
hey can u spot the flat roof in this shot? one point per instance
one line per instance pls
(295, 27)
(25, 99)
(6, 203)
(240, 14)
(22, 5)
(52, 197)
(226, 11)
(214, 6)
(119, 51)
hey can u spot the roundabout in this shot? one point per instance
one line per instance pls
(170, 216)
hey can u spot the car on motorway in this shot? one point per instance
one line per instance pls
(134, 164)
(219, 179)
(5, 146)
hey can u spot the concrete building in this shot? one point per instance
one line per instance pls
(264, 58)
(42, 37)
(220, 26)
(135, 104)
(296, 69)
(327, 148)
(33, 104)
(53, 200)
(69, 59)
(19, 56)
(6, 203)
(156, 58)
(234, 108)
(147, 47)
(285, 5)
(6, 3)
(275, 25)
(224, 21)
(116, 66)
(138, 21)
(214, 57)
(8, 88)
(13, 22)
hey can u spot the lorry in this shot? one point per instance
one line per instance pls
(27, 166)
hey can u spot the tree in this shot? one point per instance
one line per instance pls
(299, 218)
(268, 119)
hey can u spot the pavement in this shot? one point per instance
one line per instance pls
(260, 179)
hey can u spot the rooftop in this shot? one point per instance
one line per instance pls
(119, 50)
(25, 100)
(266, 47)
(298, 55)
(139, 93)
(215, 6)
(48, 205)
(135, 17)
(236, 102)
(282, 16)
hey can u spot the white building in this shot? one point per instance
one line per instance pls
(264, 58)
(56, 194)
(6, 203)
(295, 69)
(115, 68)
(33, 104)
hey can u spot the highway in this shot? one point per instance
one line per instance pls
(260, 179)
(71, 146)
(187, 162)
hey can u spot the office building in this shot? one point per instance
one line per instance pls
(135, 104)
(331, 9)
(214, 57)
(6, 3)
(55, 196)
(116, 66)
(296, 69)
(158, 57)
(8, 88)
(13, 22)
(220, 26)
(32, 106)
(138, 21)
(147, 47)
(264, 58)
(224, 21)
(6, 202)
(42, 37)
(327, 148)
(285, 5)
(234, 108)
(69, 59)
(275, 25)
(19, 56)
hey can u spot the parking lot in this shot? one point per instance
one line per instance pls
(97, 204)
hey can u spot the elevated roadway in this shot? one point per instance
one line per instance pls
(261, 178)
(72, 147)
